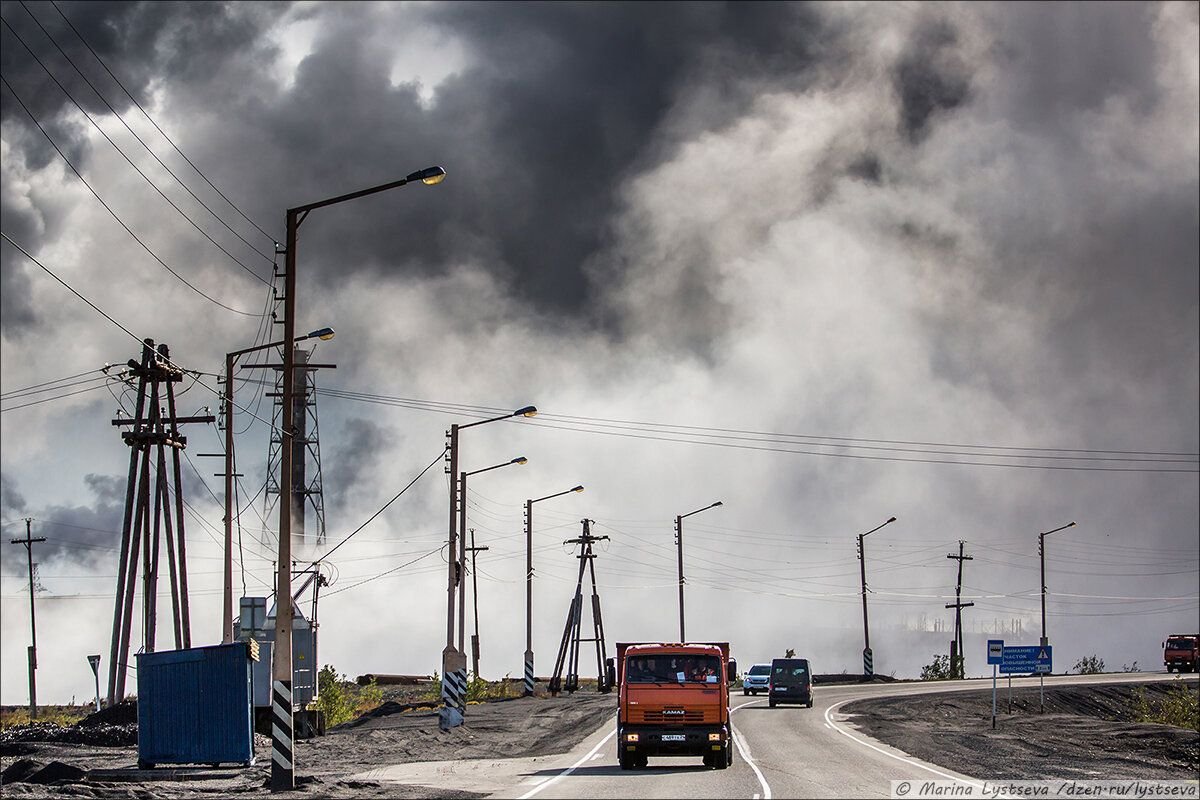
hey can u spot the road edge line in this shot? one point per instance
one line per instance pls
(975, 782)
(571, 768)
(744, 749)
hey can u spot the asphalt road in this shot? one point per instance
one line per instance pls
(787, 751)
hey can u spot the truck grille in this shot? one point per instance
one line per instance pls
(666, 717)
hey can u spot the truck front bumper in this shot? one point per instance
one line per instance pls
(657, 740)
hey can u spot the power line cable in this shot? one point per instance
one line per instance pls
(112, 213)
(140, 141)
(100, 61)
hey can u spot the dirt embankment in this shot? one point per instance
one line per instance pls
(1086, 733)
(325, 765)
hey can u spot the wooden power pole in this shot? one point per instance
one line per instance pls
(957, 659)
(28, 542)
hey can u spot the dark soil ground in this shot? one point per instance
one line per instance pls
(1086, 733)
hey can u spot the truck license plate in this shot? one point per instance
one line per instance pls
(674, 737)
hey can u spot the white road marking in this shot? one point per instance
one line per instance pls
(829, 721)
(591, 754)
(744, 749)
(597, 755)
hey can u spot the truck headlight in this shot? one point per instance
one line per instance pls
(631, 737)
(714, 737)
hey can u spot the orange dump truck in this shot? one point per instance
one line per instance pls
(1181, 652)
(673, 701)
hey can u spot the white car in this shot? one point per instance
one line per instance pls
(757, 679)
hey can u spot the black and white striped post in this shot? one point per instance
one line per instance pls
(528, 673)
(282, 738)
(868, 662)
(454, 689)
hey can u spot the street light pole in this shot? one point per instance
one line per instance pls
(679, 541)
(283, 776)
(325, 334)
(868, 656)
(454, 660)
(1045, 639)
(462, 550)
(529, 585)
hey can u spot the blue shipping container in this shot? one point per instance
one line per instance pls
(195, 706)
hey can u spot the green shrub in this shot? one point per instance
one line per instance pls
(939, 669)
(1089, 665)
(332, 697)
(1180, 707)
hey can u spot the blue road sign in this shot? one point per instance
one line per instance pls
(1026, 660)
(995, 651)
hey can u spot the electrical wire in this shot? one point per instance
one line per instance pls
(753, 440)
(100, 61)
(113, 214)
(140, 141)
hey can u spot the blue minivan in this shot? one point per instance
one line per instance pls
(791, 682)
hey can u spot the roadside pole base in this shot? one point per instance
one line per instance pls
(449, 718)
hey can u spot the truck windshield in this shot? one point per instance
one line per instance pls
(1180, 643)
(672, 669)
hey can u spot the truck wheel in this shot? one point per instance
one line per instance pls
(745, 692)
(642, 761)
(771, 702)
(624, 760)
(721, 760)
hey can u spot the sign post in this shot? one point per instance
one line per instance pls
(995, 655)
(95, 663)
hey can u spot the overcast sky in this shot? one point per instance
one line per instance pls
(826, 263)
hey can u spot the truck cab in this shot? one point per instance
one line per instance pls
(673, 701)
(1181, 652)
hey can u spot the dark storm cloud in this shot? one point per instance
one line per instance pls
(140, 43)
(355, 458)
(12, 502)
(930, 79)
(85, 534)
(559, 105)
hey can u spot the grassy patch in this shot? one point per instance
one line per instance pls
(64, 716)
(1179, 707)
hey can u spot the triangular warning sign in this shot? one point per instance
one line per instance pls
(1042, 654)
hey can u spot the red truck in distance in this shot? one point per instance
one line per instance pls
(1181, 652)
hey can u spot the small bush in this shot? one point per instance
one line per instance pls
(332, 697)
(1089, 665)
(939, 669)
(1131, 667)
(1179, 708)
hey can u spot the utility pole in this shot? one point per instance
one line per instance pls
(957, 659)
(568, 651)
(868, 656)
(1045, 639)
(679, 547)
(28, 542)
(529, 585)
(475, 599)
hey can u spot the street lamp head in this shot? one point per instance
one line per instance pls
(519, 460)
(890, 519)
(324, 334)
(718, 503)
(430, 176)
(527, 411)
(577, 489)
